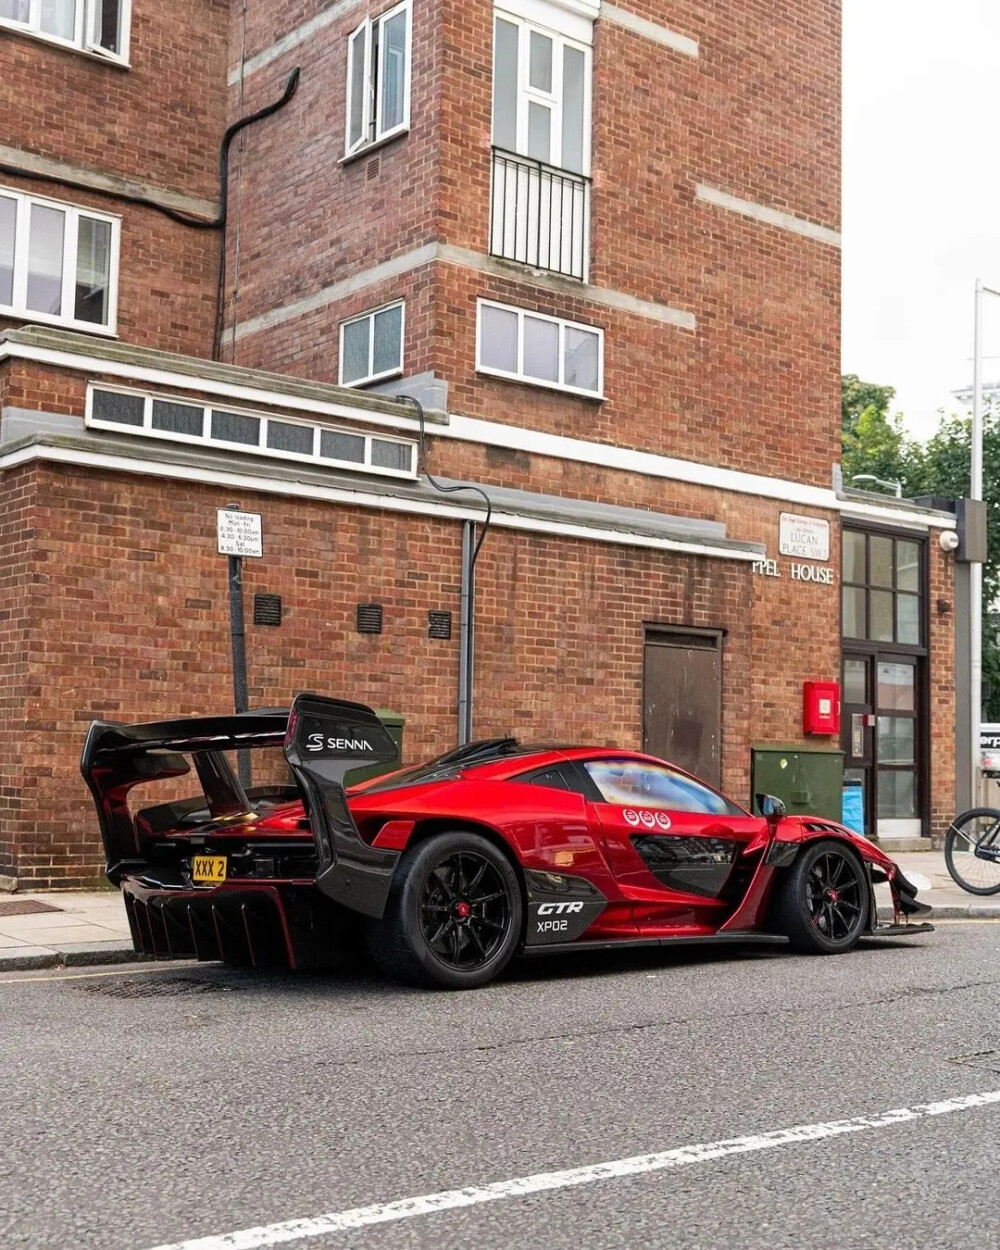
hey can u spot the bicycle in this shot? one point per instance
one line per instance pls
(972, 850)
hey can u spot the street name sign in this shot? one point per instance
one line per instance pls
(805, 537)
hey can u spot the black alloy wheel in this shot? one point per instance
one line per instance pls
(464, 911)
(454, 914)
(824, 900)
(834, 897)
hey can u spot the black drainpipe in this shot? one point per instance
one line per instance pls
(470, 554)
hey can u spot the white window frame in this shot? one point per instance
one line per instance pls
(372, 100)
(520, 375)
(73, 213)
(370, 317)
(552, 100)
(85, 36)
(261, 448)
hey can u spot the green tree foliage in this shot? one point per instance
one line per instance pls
(856, 396)
(874, 442)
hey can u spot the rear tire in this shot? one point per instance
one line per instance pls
(454, 914)
(823, 901)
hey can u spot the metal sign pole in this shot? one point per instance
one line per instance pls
(234, 543)
(237, 633)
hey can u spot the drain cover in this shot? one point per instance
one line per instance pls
(24, 907)
(153, 987)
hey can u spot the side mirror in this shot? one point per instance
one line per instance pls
(769, 806)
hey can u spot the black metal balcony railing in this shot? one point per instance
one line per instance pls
(539, 215)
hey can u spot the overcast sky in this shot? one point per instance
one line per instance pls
(921, 195)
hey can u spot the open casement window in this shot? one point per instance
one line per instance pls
(98, 26)
(58, 263)
(378, 78)
(541, 95)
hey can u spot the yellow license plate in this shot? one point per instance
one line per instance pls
(209, 869)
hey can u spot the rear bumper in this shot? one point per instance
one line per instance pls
(274, 924)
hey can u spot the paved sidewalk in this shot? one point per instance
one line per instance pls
(63, 929)
(90, 928)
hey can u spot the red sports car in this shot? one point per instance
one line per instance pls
(451, 868)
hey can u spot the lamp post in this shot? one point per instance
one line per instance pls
(976, 569)
(895, 487)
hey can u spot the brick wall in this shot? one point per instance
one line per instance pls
(145, 635)
(942, 689)
(755, 386)
(17, 581)
(159, 123)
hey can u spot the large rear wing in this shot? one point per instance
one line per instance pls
(323, 740)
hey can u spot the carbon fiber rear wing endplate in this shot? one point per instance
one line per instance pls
(326, 739)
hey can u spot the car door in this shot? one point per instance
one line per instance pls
(673, 843)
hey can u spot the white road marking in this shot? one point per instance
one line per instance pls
(473, 1195)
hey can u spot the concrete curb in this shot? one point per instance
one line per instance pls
(77, 955)
(952, 911)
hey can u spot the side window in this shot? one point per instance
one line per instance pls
(378, 78)
(563, 777)
(553, 779)
(641, 784)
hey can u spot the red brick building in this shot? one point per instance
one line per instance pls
(598, 241)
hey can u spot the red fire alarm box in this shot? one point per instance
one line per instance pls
(821, 707)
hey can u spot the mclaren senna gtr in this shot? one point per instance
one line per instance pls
(449, 869)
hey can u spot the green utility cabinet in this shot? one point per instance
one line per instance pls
(394, 723)
(808, 780)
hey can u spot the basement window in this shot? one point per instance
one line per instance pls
(180, 420)
(545, 351)
(58, 263)
(371, 346)
(100, 27)
(378, 78)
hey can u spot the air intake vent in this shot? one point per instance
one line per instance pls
(439, 625)
(369, 618)
(267, 609)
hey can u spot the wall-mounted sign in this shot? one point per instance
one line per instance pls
(810, 573)
(797, 572)
(240, 533)
(806, 537)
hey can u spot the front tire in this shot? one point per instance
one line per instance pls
(966, 833)
(823, 902)
(454, 914)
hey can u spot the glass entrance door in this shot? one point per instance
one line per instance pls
(880, 738)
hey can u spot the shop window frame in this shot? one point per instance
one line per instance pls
(922, 594)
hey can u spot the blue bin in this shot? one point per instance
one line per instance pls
(853, 807)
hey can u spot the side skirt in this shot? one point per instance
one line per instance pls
(734, 938)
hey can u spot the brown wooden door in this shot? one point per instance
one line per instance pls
(682, 701)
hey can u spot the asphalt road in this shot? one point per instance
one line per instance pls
(169, 1103)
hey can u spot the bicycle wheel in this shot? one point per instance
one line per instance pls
(978, 827)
